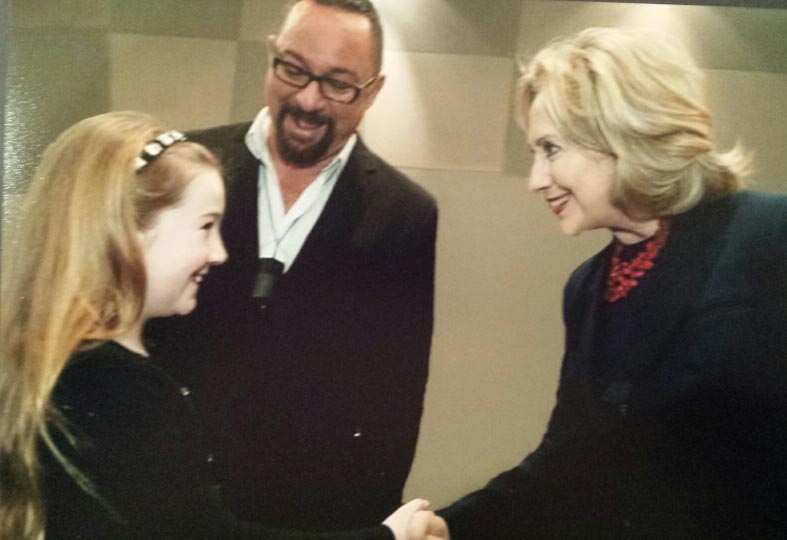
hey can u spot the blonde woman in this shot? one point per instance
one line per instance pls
(671, 414)
(121, 225)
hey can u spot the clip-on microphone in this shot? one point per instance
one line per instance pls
(269, 271)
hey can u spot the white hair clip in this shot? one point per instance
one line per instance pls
(157, 146)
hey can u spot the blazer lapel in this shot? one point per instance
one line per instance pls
(592, 290)
(334, 229)
(239, 227)
(684, 264)
(687, 261)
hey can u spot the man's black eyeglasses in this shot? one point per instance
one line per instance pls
(333, 89)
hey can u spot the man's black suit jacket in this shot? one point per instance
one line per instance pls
(315, 398)
(683, 433)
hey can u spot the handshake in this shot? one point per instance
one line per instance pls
(412, 521)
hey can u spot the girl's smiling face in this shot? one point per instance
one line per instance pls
(181, 246)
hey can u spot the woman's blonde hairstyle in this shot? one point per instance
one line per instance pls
(637, 97)
(73, 275)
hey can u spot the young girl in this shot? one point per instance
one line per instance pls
(121, 224)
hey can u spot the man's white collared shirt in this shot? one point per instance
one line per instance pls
(282, 233)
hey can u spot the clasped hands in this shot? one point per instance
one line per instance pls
(413, 521)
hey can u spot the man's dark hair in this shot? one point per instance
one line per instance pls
(365, 8)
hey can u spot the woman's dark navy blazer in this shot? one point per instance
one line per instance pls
(684, 433)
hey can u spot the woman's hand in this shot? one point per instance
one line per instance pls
(412, 521)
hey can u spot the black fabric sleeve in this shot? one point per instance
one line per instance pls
(404, 351)
(138, 444)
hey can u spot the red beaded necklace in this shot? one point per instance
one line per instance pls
(624, 276)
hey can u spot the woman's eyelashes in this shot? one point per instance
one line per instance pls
(209, 224)
(550, 149)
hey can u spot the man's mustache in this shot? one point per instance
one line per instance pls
(312, 117)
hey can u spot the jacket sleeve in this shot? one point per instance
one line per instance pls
(407, 346)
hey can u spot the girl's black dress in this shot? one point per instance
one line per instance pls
(134, 435)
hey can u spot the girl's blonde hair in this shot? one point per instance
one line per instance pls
(638, 98)
(73, 275)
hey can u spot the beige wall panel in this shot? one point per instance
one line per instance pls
(455, 26)
(203, 19)
(543, 21)
(187, 83)
(717, 37)
(439, 111)
(69, 13)
(498, 340)
(260, 18)
(249, 88)
(752, 107)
